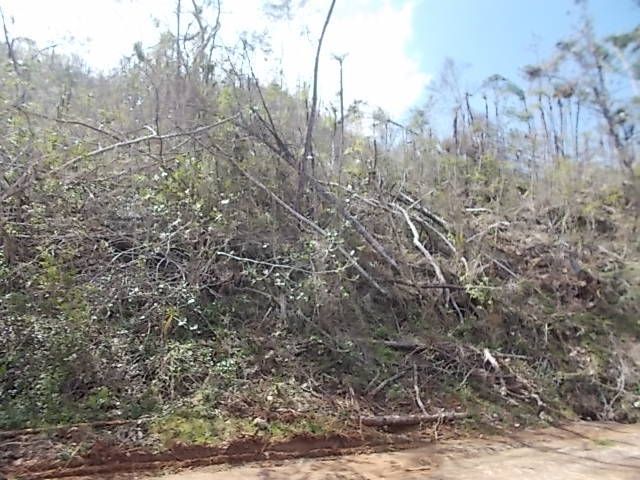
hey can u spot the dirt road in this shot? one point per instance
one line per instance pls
(579, 451)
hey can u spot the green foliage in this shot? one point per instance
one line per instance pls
(190, 430)
(184, 427)
(480, 291)
(384, 354)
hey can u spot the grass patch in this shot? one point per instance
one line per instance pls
(181, 427)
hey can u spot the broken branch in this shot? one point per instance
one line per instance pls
(408, 420)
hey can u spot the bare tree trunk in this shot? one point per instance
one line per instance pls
(577, 130)
(375, 155)
(340, 60)
(408, 420)
(469, 112)
(496, 107)
(307, 155)
(21, 94)
(334, 140)
(531, 132)
(472, 137)
(456, 137)
(485, 131)
(543, 119)
(178, 51)
(602, 101)
(556, 145)
(562, 129)
(10, 50)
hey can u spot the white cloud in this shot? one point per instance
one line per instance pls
(99, 31)
(374, 34)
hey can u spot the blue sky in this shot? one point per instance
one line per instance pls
(501, 36)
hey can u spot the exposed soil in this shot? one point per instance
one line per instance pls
(578, 451)
(104, 459)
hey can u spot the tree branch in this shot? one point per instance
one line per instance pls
(408, 420)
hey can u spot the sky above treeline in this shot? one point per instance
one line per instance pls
(394, 48)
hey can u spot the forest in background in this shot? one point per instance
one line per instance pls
(185, 243)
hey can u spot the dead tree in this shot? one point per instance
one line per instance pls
(340, 60)
(307, 154)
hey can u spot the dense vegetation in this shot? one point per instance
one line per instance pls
(179, 240)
